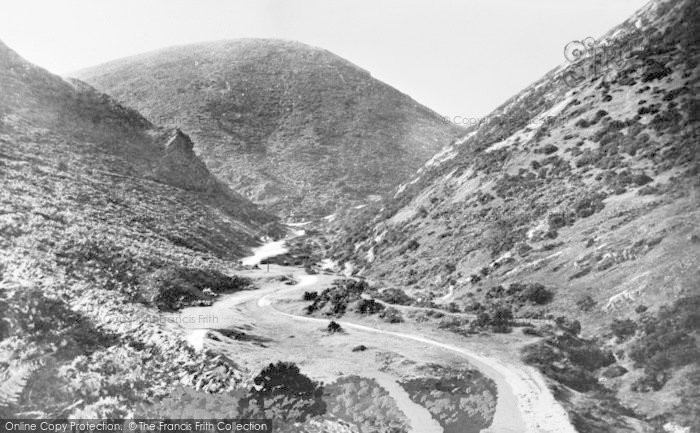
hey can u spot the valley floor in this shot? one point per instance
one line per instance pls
(276, 328)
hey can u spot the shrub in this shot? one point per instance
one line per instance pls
(568, 325)
(641, 179)
(613, 371)
(654, 70)
(590, 356)
(412, 245)
(338, 297)
(283, 393)
(586, 303)
(333, 327)
(569, 359)
(558, 220)
(310, 296)
(452, 307)
(501, 237)
(554, 364)
(549, 149)
(175, 287)
(395, 296)
(588, 157)
(531, 331)
(521, 293)
(369, 306)
(668, 341)
(582, 123)
(483, 319)
(537, 294)
(391, 315)
(455, 324)
(501, 318)
(29, 314)
(623, 329)
(589, 204)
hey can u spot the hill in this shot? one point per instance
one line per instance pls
(105, 219)
(575, 202)
(294, 128)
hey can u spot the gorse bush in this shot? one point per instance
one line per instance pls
(309, 296)
(395, 296)
(668, 341)
(520, 294)
(569, 359)
(333, 327)
(369, 306)
(335, 300)
(623, 329)
(283, 393)
(391, 315)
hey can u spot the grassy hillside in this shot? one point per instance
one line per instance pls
(105, 219)
(576, 201)
(295, 128)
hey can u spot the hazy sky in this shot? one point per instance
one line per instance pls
(460, 58)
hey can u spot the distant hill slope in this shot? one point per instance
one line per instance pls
(585, 182)
(104, 218)
(295, 128)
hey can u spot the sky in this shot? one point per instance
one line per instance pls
(462, 58)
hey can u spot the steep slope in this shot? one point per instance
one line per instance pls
(104, 220)
(577, 199)
(295, 128)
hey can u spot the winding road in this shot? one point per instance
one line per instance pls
(524, 403)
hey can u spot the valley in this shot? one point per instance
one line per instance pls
(258, 228)
(273, 314)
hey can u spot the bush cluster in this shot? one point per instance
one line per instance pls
(668, 341)
(569, 359)
(395, 296)
(336, 299)
(391, 315)
(175, 287)
(521, 294)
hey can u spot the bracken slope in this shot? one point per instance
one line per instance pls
(577, 199)
(105, 219)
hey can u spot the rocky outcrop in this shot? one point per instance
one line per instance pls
(179, 166)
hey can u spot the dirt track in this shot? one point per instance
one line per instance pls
(269, 316)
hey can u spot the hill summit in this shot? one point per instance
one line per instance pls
(294, 128)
